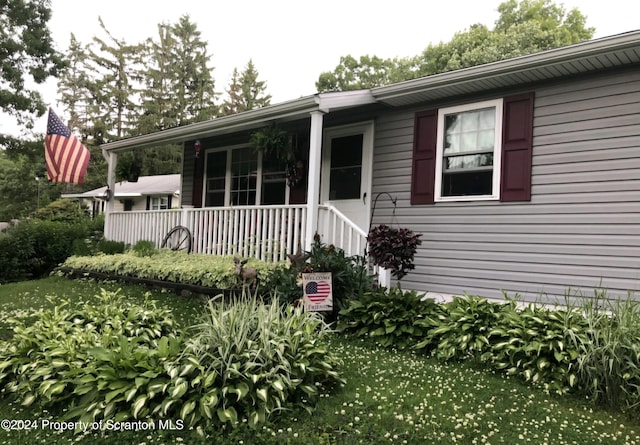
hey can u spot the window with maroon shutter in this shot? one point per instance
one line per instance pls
(478, 151)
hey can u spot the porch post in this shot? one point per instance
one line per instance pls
(112, 160)
(313, 187)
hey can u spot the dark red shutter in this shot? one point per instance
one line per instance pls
(517, 148)
(424, 157)
(148, 202)
(198, 181)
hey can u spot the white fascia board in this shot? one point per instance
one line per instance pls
(336, 100)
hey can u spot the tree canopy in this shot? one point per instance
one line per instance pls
(245, 91)
(523, 27)
(27, 55)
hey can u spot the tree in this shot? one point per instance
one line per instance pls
(245, 91)
(524, 27)
(178, 86)
(26, 49)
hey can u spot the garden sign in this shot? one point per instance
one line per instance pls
(318, 292)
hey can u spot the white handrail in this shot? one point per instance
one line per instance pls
(337, 229)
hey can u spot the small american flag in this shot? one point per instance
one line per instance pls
(317, 291)
(66, 158)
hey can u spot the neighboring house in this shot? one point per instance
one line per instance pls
(160, 192)
(521, 175)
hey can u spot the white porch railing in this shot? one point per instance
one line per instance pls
(264, 232)
(335, 228)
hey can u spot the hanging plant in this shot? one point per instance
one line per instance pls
(273, 142)
(393, 249)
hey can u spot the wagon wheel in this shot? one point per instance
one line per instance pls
(178, 238)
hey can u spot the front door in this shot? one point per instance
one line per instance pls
(346, 171)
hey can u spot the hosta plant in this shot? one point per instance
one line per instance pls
(462, 329)
(539, 344)
(392, 317)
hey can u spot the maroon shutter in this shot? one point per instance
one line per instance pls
(517, 148)
(424, 157)
(198, 181)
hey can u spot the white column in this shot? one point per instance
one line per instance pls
(313, 186)
(112, 160)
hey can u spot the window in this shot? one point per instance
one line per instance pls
(159, 203)
(468, 152)
(233, 177)
(479, 151)
(345, 175)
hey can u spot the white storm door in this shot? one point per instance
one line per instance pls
(346, 171)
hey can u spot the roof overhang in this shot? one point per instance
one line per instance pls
(249, 120)
(594, 55)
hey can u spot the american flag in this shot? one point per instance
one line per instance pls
(317, 291)
(67, 159)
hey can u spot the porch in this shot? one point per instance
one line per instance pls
(268, 233)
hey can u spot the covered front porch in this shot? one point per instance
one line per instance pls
(234, 202)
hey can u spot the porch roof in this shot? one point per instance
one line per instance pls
(594, 55)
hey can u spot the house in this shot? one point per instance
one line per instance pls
(521, 175)
(159, 192)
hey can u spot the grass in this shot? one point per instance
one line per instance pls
(390, 397)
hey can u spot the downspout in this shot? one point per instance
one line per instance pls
(313, 189)
(112, 160)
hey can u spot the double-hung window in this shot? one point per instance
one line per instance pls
(468, 152)
(472, 152)
(159, 203)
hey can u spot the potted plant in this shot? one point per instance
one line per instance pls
(393, 248)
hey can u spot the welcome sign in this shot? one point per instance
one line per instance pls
(318, 292)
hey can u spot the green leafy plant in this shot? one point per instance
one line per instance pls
(253, 360)
(608, 365)
(392, 317)
(144, 248)
(32, 249)
(393, 248)
(538, 344)
(273, 142)
(109, 247)
(463, 328)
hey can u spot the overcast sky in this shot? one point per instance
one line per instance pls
(292, 41)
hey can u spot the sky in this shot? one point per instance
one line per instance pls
(292, 41)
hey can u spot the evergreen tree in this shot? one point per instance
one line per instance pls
(245, 91)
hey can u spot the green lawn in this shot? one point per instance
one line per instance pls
(390, 397)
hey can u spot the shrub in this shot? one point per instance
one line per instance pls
(393, 249)
(348, 274)
(109, 247)
(144, 248)
(392, 318)
(33, 248)
(63, 210)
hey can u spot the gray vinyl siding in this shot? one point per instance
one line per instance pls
(581, 229)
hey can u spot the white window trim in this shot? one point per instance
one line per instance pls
(227, 192)
(156, 202)
(497, 151)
